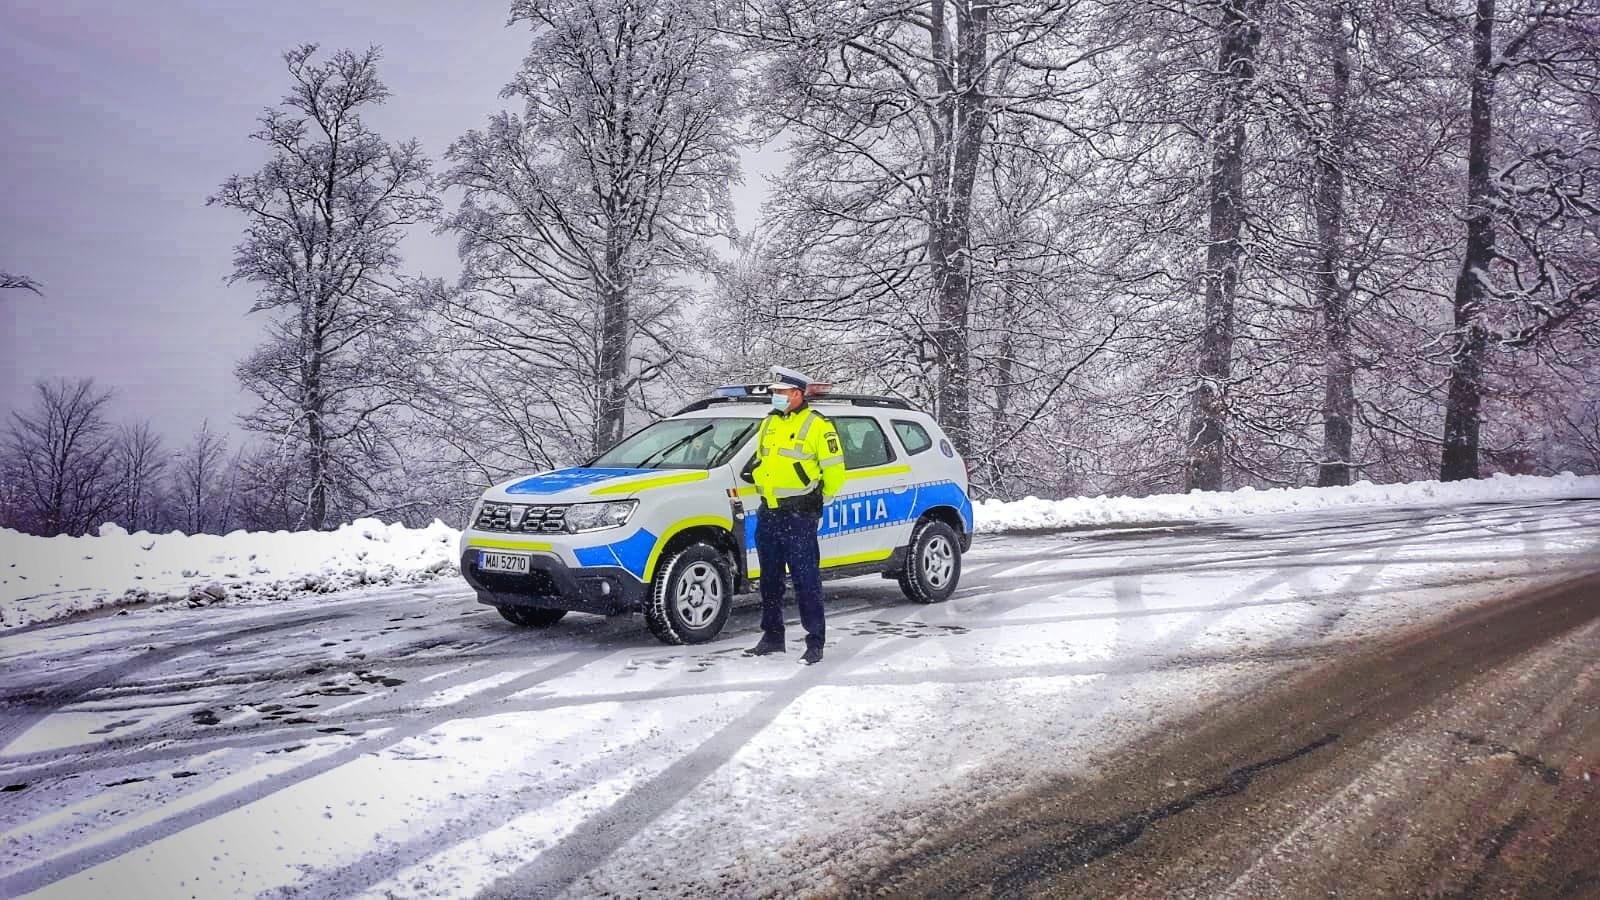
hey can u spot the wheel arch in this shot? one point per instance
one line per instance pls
(714, 530)
(951, 516)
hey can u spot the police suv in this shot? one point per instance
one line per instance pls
(664, 522)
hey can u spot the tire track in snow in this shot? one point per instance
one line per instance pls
(137, 749)
(184, 683)
(70, 693)
(497, 811)
(1079, 578)
(119, 753)
(72, 862)
(601, 835)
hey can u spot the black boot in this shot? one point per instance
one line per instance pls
(813, 656)
(769, 644)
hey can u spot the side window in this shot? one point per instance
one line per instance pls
(912, 436)
(864, 443)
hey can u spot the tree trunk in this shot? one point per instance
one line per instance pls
(1338, 403)
(958, 142)
(1240, 31)
(316, 516)
(1462, 408)
(613, 353)
(1005, 375)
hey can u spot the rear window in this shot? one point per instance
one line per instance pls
(865, 445)
(912, 436)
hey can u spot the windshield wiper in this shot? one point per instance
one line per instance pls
(645, 463)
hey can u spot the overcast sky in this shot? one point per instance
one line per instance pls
(118, 120)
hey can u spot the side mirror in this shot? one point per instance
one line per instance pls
(747, 474)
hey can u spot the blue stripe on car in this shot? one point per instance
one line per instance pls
(631, 553)
(566, 479)
(882, 508)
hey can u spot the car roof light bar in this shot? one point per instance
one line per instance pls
(814, 389)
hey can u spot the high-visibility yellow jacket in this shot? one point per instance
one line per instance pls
(795, 451)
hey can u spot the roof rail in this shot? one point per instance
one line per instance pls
(866, 400)
(852, 399)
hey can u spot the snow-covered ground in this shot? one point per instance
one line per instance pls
(48, 578)
(404, 741)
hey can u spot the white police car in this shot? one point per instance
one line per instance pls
(664, 522)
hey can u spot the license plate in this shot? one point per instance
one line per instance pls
(503, 562)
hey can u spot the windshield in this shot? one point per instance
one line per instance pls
(679, 444)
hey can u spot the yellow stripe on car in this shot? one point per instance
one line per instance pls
(645, 484)
(880, 470)
(854, 558)
(655, 553)
(506, 545)
(833, 561)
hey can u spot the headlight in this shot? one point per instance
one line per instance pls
(477, 510)
(595, 516)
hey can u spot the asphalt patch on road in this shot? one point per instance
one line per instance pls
(1097, 840)
(1532, 763)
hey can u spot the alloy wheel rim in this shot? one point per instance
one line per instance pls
(938, 561)
(699, 595)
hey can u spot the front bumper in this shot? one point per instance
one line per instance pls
(552, 584)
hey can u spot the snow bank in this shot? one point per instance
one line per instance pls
(47, 578)
(1032, 513)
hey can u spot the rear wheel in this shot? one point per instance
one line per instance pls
(529, 617)
(691, 597)
(933, 565)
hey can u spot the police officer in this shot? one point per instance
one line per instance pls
(799, 467)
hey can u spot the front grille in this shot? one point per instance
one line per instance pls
(528, 519)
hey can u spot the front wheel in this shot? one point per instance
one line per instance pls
(933, 567)
(529, 617)
(691, 597)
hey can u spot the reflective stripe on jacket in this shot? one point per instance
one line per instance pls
(795, 451)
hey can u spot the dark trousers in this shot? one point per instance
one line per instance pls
(785, 538)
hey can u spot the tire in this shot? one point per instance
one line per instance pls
(933, 565)
(528, 617)
(691, 597)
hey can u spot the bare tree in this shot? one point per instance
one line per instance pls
(325, 217)
(140, 461)
(1338, 406)
(1460, 458)
(1238, 33)
(580, 214)
(265, 496)
(1536, 190)
(1021, 303)
(198, 482)
(889, 106)
(60, 456)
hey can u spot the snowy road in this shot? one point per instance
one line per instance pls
(408, 742)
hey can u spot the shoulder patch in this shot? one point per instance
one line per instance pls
(833, 442)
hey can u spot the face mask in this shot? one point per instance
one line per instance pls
(780, 402)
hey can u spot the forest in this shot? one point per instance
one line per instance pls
(1119, 248)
